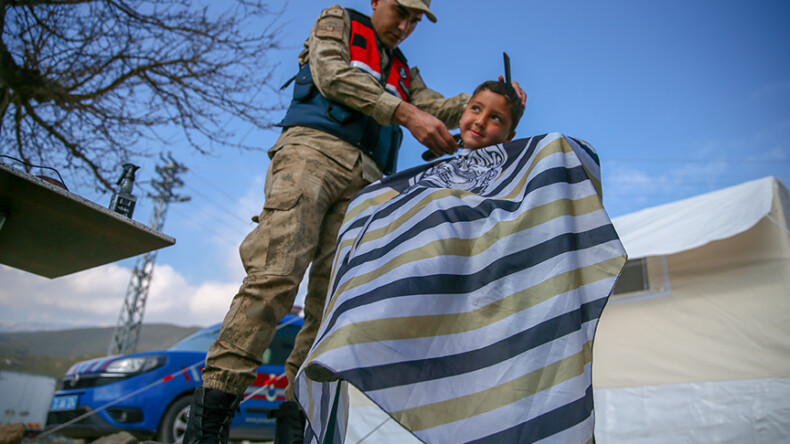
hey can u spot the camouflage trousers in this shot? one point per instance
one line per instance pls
(306, 198)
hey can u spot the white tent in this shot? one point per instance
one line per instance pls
(694, 346)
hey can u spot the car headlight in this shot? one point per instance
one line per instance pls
(134, 365)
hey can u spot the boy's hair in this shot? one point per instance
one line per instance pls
(511, 98)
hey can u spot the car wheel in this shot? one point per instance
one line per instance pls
(174, 421)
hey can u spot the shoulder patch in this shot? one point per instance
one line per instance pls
(332, 11)
(330, 23)
(330, 27)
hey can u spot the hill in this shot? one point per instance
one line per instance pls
(51, 353)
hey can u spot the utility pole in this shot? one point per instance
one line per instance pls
(127, 330)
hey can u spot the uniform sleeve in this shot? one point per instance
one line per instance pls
(329, 57)
(448, 110)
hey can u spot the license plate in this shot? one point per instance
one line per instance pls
(64, 402)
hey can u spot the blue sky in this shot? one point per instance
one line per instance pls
(679, 98)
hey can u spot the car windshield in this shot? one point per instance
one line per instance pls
(199, 341)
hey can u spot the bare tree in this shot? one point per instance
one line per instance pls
(85, 83)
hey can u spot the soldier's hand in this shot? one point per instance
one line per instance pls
(426, 128)
(521, 94)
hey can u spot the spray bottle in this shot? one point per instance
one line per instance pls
(123, 201)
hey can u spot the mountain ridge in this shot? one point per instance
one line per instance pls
(52, 352)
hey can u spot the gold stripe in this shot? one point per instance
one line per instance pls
(413, 327)
(553, 147)
(596, 181)
(381, 232)
(350, 214)
(566, 148)
(310, 401)
(465, 247)
(556, 146)
(444, 412)
(335, 268)
(373, 201)
(472, 247)
(412, 212)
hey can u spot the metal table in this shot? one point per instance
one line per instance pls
(51, 232)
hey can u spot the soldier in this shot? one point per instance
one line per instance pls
(340, 133)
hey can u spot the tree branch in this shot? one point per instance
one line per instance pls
(88, 79)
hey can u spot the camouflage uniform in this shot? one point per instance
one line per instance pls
(311, 178)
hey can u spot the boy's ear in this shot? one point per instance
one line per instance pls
(510, 137)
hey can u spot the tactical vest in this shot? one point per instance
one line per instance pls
(310, 108)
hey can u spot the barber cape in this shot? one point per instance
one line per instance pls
(464, 298)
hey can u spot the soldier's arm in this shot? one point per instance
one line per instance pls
(448, 110)
(428, 115)
(329, 64)
(329, 57)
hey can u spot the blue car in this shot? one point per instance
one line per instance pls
(148, 394)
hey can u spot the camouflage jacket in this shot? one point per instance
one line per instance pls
(327, 51)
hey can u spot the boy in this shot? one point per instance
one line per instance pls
(491, 116)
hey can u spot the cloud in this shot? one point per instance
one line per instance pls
(212, 299)
(172, 300)
(95, 297)
(91, 297)
(630, 188)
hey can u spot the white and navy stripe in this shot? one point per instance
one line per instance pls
(465, 295)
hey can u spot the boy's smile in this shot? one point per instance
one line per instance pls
(486, 121)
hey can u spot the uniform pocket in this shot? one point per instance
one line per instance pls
(282, 223)
(304, 88)
(271, 248)
(284, 180)
(282, 200)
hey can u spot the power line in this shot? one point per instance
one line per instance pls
(225, 211)
(194, 222)
(219, 190)
(190, 217)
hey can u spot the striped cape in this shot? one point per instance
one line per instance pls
(465, 295)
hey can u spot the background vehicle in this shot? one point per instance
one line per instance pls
(148, 394)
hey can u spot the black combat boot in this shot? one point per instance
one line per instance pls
(209, 416)
(290, 424)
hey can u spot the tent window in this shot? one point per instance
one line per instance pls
(633, 277)
(642, 278)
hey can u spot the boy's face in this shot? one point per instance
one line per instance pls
(486, 121)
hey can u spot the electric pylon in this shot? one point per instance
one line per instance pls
(127, 330)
